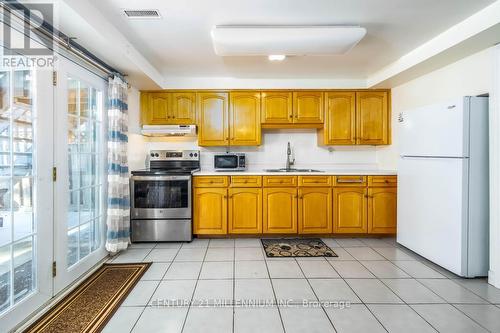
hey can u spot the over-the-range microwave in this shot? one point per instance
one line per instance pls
(230, 162)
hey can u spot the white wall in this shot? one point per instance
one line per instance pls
(136, 142)
(469, 76)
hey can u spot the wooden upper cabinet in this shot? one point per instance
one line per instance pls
(350, 209)
(245, 210)
(210, 211)
(158, 108)
(308, 107)
(280, 210)
(372, 113)
(340, 119)
(277, 107)
(183, 108)
(382, 210)
(213, 121)
(244, 118)
(315, 210)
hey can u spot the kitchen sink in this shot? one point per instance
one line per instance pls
(292, 170)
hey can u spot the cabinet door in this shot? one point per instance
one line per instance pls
(210, 211)
(280, 210)
(145, 116)
(382, 210)
(244, 118)
(315, 210)
(372, 118)
(349, 207)
(184, 108)
(277, 107)
(245, 210)
(340, 119)
(308, 107)
(213, 119)
(158, 111)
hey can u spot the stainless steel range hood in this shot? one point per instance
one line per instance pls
(168, 130)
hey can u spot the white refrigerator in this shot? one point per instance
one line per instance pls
(443, 190)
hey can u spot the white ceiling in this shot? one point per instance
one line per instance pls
(179, 44)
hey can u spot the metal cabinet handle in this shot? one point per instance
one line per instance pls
(360, 180)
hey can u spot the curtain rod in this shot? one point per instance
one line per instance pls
(47, 31)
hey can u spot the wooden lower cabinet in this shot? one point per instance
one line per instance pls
(245, 210)
(280, 210)
(210, 211)
(315, 210)
(276, 205)
(382, 210)
(350, 210)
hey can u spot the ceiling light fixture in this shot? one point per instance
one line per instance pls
(265, 40)
(277, 57)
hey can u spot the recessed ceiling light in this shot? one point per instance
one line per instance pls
(277, 57)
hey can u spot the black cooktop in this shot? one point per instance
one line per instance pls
(162, 172)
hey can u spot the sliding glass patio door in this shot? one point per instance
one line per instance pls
(80, 160)
(26, 190)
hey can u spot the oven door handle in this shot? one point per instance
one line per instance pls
(160, 177)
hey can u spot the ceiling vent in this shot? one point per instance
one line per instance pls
(142, 13)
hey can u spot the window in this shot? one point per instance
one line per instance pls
(85, 153)
(17, 176)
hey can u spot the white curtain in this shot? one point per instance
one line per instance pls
(118, 217)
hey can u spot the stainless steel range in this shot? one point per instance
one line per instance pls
(160, 197)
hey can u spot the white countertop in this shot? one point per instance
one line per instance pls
(262, 172)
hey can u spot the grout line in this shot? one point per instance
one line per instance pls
(465, 314)
(147, 303)
(194, 289)
(421, 260)
(275, 297)
(408, 305)
(234, 282)
(317, 298)
(364, 304)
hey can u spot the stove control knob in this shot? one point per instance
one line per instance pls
(195, 154)
(152, 155)
(156, 155)
(190, 154)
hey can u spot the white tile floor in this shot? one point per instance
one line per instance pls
(373, 286)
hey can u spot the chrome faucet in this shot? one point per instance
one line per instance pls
(288, 154)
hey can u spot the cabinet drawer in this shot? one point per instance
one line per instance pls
(349, 181)
(313, 181)
(246, 181)
(383, 181)
(280, 181)
(211, 181)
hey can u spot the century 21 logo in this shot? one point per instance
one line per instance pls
(36, 16)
